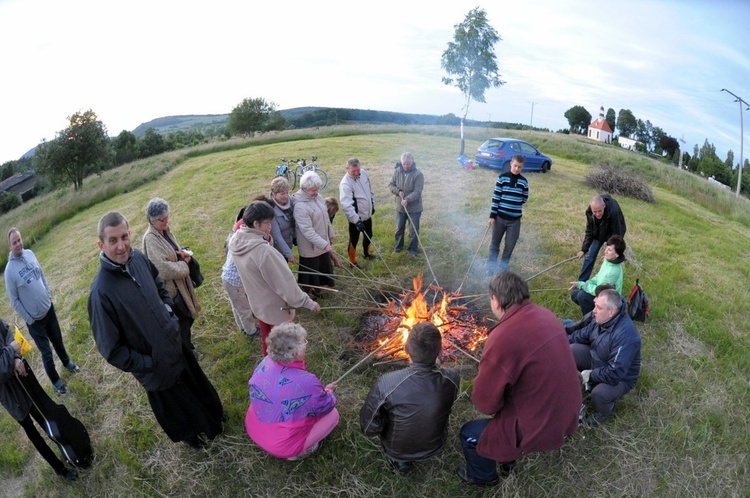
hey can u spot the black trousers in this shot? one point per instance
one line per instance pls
(38, 440)
(354, 236)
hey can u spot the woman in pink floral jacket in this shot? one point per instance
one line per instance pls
(290, 410)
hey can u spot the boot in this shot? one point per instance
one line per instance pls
(352, 255)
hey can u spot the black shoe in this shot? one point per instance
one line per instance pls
(60, 387)
(401, 466)
(69, 474)
(595, 419)
(506, 468)
(370, 256)
(462, 474)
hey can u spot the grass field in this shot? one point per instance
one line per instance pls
(683, 431)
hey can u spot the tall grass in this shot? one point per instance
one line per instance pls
(683, 431)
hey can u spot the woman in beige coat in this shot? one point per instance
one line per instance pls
(161, 247)
(314, 236)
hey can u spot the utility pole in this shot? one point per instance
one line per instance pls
(531, 123)
(742, 137)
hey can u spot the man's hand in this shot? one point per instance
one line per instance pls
(491, 222)
(579, 255)
(360, 226)
(19, 367)
(315, 308)
(585, 376)
(404, 203)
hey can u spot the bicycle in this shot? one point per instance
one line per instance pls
(303, 167)
(284, 170)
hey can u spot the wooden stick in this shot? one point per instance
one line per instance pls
(551, 267)
(396, 334)
(481, 243)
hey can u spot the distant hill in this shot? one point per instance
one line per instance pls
(307, 117)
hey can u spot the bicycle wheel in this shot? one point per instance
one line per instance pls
(290, 178)
(323, 176)
(298, 172)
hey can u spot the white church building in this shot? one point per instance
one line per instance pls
(599, 130)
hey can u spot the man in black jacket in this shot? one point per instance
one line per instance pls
(136, 331)
(604, 219)
(409, 408)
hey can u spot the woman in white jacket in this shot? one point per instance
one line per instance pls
(314, 236)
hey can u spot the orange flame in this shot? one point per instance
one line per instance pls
(468, 333)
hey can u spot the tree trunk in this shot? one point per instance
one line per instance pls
(463, 143)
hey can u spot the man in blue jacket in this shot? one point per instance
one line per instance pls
(608, 354)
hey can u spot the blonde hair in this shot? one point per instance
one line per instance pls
(279, 184)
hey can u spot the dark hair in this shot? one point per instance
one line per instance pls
(519, 159)
(619, 244)
(509, 288)
(111, 219)
(257, 211)
(424, 343)
(602, 287)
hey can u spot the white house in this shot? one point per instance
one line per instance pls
(627, 143)
(599, 130)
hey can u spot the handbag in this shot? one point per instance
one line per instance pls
(195, 272)
(179, 307)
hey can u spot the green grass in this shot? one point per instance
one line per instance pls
(683, 431)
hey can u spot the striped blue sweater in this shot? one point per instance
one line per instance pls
(511, 192)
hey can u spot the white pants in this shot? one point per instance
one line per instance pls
(243, 314)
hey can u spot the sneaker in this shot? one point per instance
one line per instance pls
(254, 333)
(72, 367)
(60, 387)
(305, 454)
(463, 474)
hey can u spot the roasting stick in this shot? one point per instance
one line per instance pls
(434, 278)
(472, 259)
(395, 334)
(380, 255)
(551, 267)
(361, 279)
(364, 288)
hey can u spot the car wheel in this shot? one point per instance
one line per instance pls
(545, 167)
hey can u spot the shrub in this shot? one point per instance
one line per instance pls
(612, 179)
(8, 201)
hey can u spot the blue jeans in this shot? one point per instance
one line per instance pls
(401, 219)
(45, 331)
(589, 260)
(511, 229)
(477, 467)
(583, 299)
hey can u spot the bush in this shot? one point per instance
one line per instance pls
(8, 201)
(615, 180)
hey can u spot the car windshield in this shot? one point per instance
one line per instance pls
(493, 144)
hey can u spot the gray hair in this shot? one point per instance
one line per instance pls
(310, 180)
(156, 208)
(612, 299)
(406, 156)
(286, 342)
(352, 162)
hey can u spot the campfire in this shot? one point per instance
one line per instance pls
(462, 332)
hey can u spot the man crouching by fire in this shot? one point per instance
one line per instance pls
(527, 381)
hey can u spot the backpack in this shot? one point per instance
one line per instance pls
(638, 303)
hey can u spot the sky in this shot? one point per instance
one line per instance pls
(131, 62)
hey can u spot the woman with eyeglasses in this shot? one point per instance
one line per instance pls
(272, 291)
(161, 247)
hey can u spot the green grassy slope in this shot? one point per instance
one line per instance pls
(683, 431)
